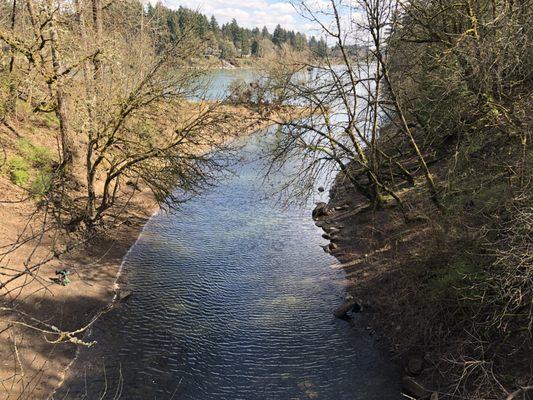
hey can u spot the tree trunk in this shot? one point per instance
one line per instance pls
(98, 30)
(67, 146)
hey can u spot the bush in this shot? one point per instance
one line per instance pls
(42, 184)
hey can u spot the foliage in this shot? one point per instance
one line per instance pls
(42, 184)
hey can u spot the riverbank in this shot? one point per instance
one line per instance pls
(32, 366)
(417, 279)
(371, 247)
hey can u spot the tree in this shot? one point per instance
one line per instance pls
(338, 135)
(213, 25)
(255, 48)
(245, 46)
(279, 36)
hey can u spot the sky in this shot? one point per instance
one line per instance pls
(251, 13)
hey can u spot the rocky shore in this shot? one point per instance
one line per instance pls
(360, 240)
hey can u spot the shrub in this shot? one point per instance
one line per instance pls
(42, 184)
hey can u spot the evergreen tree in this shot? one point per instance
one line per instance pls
(256, 48)
(227, 41)
(279, 36)
(213, 25)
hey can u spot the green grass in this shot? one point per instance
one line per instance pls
(39, 157)
(50, 120)
(457, 274)
(459, 282)
(18, 170)
(32, 169)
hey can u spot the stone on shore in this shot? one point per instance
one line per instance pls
(321, 210)
(415, 365)
(123, 295)
(332, 230)
(353, 305)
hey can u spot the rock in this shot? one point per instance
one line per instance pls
(321, 210)
(343, 309)
(326, 248)
(333, 246)
(353, 305)
(343, 207)
(321, 189)
(358, 306)
(415, 365)
(123, 294)
(332, 230)
(326, 236)
(321, 224)
(414, 389)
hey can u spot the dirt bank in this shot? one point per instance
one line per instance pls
(407, 272)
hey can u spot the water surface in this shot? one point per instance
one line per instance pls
(233, 299)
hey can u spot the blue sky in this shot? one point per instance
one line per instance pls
(251, 13)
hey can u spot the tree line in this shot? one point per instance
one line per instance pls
(229, 40)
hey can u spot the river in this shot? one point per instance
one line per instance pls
(233, 298)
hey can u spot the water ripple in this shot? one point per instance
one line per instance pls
(233, 300)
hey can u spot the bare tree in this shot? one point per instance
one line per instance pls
(345, 90)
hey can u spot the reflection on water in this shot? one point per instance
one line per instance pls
(232, 299)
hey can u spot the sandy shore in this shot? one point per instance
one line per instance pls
(37, 365)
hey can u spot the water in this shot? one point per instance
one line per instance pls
(232, 299)
(219, 81)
